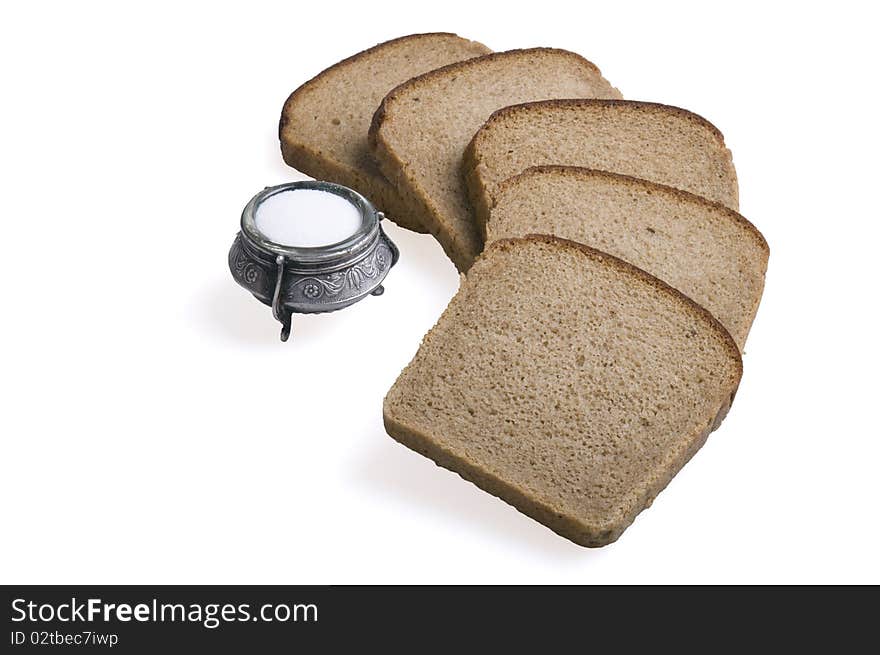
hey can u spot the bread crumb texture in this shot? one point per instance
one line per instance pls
(705, 250)
(567, 383)
(422, 128)
(324, 123)
(659, 143)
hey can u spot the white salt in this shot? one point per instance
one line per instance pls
(307, 218)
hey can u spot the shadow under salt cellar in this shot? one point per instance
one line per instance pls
(296, 279)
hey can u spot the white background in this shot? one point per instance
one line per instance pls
(154, 429)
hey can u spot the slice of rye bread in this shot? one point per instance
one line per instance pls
(421, 129)
(658, 143)
(708, 252)
(324, 123)
(566, 382)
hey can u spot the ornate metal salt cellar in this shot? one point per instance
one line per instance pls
(312, 280)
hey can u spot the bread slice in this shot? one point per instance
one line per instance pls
(566, 382)
(324, 123)
(705, 250)
(422, 127)
(655, 142)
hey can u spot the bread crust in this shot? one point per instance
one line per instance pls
(589, 535)
(600, 102)
(449, 68)
(633, 271)
(348, 61)
(393, 167)
(580, 532)
(479, 195)
(687, 196)
(740, 228)
(304, 158)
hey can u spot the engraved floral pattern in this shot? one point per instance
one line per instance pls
(237, 259)
(337, 287)
(334, 284)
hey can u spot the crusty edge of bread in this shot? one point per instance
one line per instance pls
(687, 196)
(348, 61)
(458, 65)
(634, 271)
(608, 102)
(393, 167)
(306, 160)
(579, 532)
(583, 534)
(746, 226)
(480, 199)
(479, 195)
